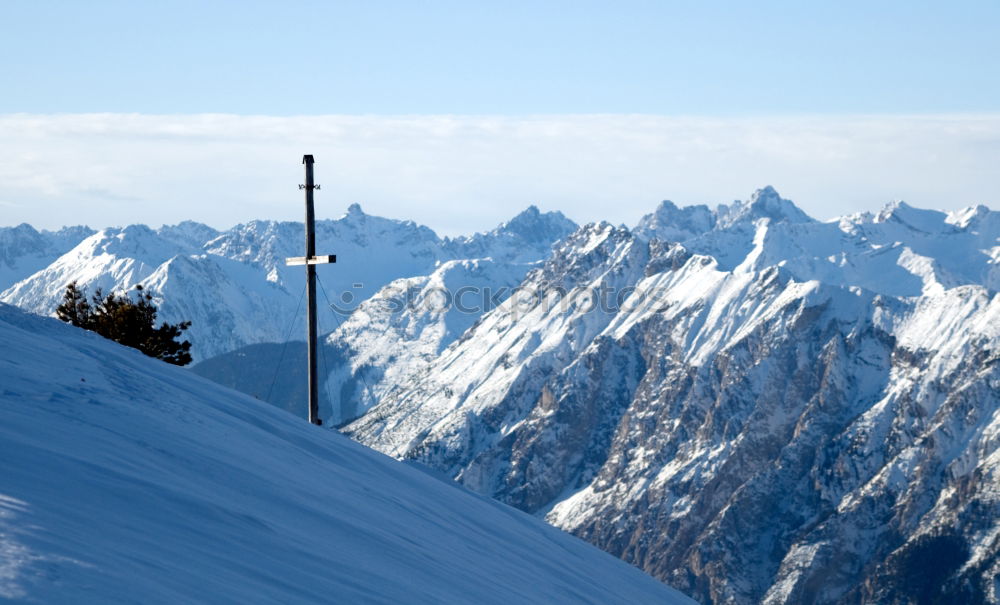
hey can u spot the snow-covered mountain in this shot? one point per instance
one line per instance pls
(389, 339)
(234, 286)
(526, 238)
(747, 402)
(751, 404)
(396, 332)
(901, 251)
(24, 251)
(127, 480)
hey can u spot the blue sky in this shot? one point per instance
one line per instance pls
(458, 114)
(413, 57)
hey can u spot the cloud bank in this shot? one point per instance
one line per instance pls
(460, 174)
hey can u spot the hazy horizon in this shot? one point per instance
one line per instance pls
(460, 174)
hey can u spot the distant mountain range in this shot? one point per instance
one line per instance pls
(750, 404)
(233, 285)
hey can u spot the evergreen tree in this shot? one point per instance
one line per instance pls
(126, 321)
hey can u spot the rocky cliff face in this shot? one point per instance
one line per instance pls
(771, 410)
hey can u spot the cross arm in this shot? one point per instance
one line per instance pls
(311, 260)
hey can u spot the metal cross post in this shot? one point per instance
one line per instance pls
(310, 260)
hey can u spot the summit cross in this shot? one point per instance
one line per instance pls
(310, 260)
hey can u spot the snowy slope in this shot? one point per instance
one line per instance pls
(513, 349)
(397, 333)
(778, 410)
(127, 480)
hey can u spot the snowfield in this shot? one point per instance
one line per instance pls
(127, 480)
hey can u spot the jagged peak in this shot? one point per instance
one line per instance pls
(670, 222)
(928, 221)
(534, 225)
(765, 202)
(187, 225)
(589, 236)
(132, 241)
(533, 214)
(73, 230)
(891, 208)
(190, 235)
(15, 241)
(23, 228)
(134, 230)
(24, 239)
(27, 228)
(587, 249)
(769, 202)
(666, 209)
(665, 256)
(356, 218)
(21, 232)
(526, 237)
(970, 215)
(666, 206)
(189, 232)
(120, 233)
(765, 192)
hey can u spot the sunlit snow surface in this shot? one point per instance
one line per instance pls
(123, 479)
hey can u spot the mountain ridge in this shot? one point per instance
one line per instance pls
(247, 263)
(748, 370)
